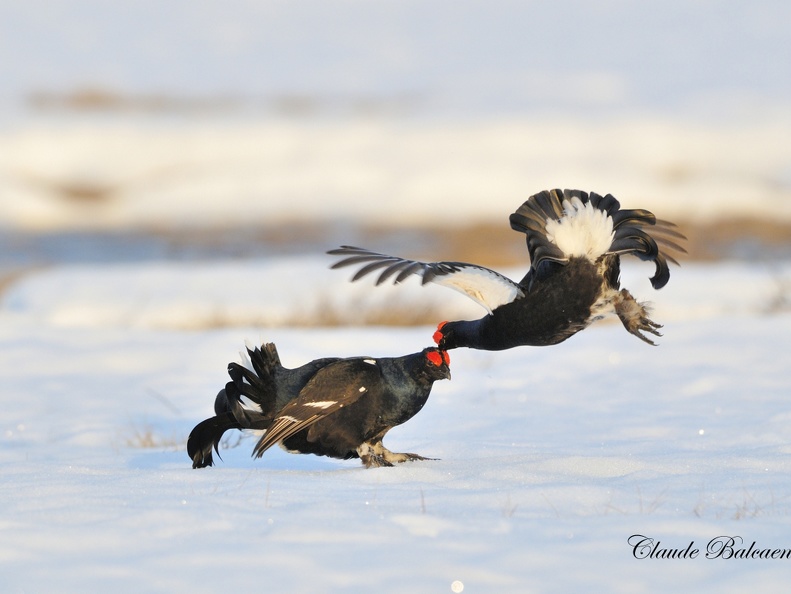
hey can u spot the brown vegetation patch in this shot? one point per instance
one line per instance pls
(719, 239)
(495, 245)
(94, 99)
(149, 438)
(489, 244)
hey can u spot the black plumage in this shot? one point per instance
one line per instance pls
(574, 240)
(334, 407)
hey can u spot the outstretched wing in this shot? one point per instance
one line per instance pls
(486, 287)
(563, 223)
(333, 387)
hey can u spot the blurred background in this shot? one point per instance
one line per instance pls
(171, 176)
(197, 130)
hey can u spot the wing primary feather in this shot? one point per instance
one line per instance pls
(486, 287)
(368, 268)
(672, 260)
(352, 260)
(664, 242)
(411, 268)
(350, 250)
(391, 270)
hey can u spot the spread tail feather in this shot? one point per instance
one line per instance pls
(258, 383)
(633, 231)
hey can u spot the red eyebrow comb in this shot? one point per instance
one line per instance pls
(437, 358)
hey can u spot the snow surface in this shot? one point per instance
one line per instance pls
(549, 458)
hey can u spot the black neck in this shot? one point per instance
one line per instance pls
(464, 333)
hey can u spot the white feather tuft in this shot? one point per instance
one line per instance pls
(244, 360)
(582, 230)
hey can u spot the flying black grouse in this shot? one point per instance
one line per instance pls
(575, 241)
(334, 407)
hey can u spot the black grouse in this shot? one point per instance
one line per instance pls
(260, 378)
(574, 240)
(334, 407)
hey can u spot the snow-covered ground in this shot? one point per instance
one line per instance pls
(549, 459)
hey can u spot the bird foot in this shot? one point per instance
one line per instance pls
(376, 455)
(634, 317)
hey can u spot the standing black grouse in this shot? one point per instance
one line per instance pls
(575, 241)
(334, 407)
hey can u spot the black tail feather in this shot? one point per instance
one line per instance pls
(206, 436)
(221, 403)
(608, 203)
(246, 418)
(635, 241)
(257, 384)
(265, 360)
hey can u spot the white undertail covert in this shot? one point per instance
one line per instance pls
(582, 230)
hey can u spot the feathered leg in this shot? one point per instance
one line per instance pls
(634, 316)
(374, 454)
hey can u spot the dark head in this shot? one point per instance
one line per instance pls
(446, 336)
(438, 363)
